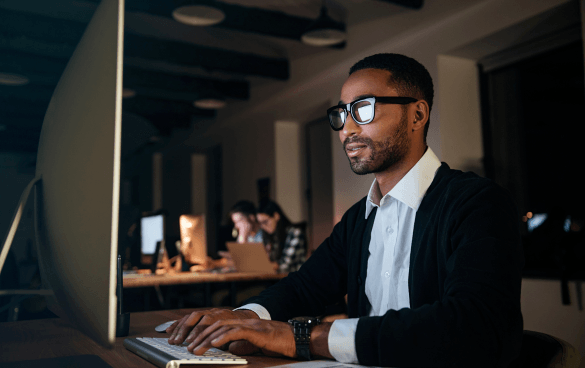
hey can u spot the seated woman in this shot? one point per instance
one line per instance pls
(286, 242)
(243, 215)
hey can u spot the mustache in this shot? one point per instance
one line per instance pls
(367, 141)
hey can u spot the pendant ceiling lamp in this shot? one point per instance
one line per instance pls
(127, 93)
(198, 15)
(211, 103)
(324, 31)
(11, 79)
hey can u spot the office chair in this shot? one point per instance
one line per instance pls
(540, 350)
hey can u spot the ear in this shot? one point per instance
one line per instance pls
(421, 115)
(276, 216)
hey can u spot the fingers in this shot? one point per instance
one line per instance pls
(213, 332)
(205, 322)
(171, 328)
(191, 326)
(217, 338)
(184, 327)
(271, 336)
(174, 329)
(202, 335)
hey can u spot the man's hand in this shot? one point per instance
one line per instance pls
(190, 326)
(273, 337)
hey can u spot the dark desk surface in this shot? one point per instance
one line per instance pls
(54, 337)
(138, 280)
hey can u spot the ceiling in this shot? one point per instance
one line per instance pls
(168, 64)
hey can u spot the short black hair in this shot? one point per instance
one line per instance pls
(246, 208)
(411, 78)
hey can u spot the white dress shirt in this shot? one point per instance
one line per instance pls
(389, 261)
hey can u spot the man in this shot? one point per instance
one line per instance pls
(430, 259)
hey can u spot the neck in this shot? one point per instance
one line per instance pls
(388, 178)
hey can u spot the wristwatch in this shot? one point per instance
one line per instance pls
(302, 327)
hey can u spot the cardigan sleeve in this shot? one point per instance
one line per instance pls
(476, 320)
(320, 282)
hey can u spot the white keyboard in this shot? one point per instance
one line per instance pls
(157, 350)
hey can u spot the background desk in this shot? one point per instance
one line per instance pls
(192, 278)
(55, 337)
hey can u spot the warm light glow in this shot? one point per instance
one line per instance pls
(127, 93)
(209, 103)
(10, 79)
(198, 15)
(323, 37)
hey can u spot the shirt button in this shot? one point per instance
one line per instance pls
(387, 274)
(389, 229)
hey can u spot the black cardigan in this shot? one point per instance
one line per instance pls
(464, 280)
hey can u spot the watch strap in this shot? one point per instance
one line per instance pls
(302, 332)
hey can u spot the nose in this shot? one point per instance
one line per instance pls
(350, 128)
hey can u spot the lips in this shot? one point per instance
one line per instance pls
(354, 149)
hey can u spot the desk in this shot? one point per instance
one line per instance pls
(182, 278)
(55, 337)
(190, 278)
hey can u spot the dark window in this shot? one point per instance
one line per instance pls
(534, 131)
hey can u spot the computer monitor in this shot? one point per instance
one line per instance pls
(152, 231)
(193, 238)
(78, 179)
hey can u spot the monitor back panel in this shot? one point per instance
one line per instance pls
(78, 161)
(193, 238)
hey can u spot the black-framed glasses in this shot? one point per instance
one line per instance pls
(362, 110)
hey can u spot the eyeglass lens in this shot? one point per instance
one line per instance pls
(361, 111)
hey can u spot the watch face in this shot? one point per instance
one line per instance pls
(309, 320)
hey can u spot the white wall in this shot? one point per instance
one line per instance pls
(461, 138)
(248, 155)
(543, 311)
(198, 183)
(288, 169)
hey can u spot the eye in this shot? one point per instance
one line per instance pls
(363, 111)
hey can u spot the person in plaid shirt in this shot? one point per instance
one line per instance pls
(285, 242)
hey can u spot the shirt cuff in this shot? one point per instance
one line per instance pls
(258, 309)
(341, 340)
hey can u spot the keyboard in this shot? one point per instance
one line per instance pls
(158, 351)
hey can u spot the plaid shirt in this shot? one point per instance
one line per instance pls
(294, 251)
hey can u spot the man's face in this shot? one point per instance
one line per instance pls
(377, 146)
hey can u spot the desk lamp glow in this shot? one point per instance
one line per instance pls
(77, 181)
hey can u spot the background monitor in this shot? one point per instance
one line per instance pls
(78, 164)
(152, 230)
(193, 238)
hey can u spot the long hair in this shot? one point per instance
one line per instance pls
(277, 239)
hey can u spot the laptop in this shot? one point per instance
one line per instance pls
(250, 257)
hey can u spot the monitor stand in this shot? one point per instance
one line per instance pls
(8, 243)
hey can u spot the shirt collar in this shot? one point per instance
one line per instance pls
(411, 189)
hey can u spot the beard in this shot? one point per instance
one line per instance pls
(384, 154)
